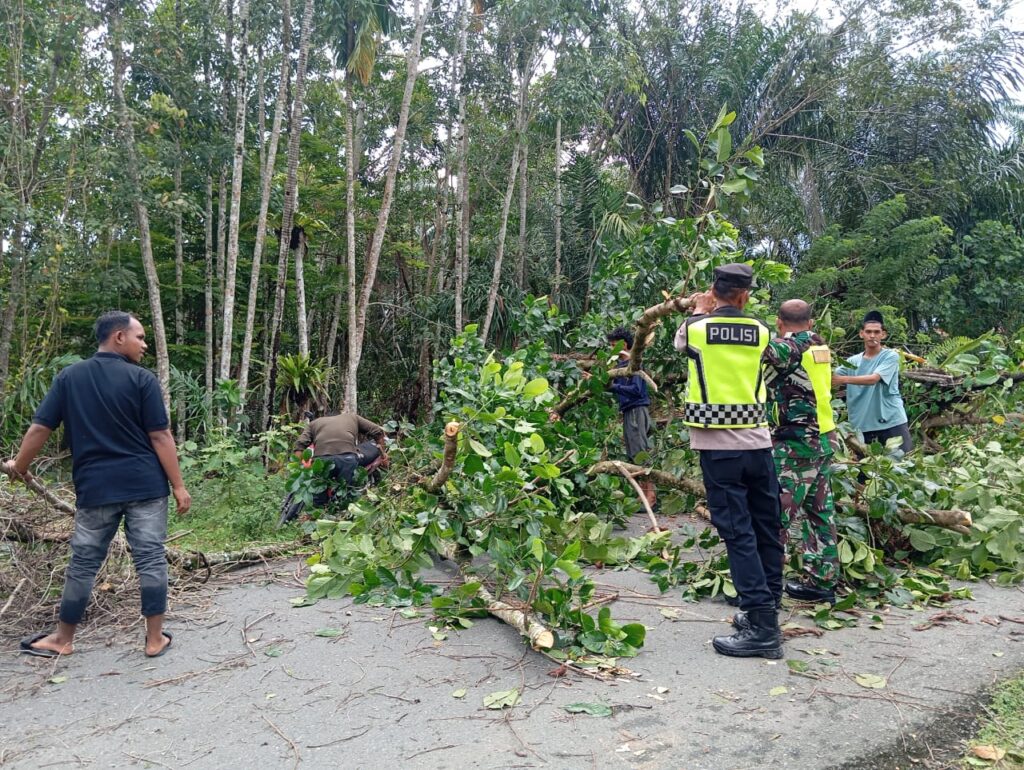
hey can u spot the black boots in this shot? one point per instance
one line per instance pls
(740, 619)
(761, 639)
(807, 592)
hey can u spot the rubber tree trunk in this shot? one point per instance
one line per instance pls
(506, 204)
(208, 293)
(288, 212)
(556, 281)
(231, 266)
(266, 183)
(523, 201)
(357, 333)
(461, 266)
(131, 164)
(302, 326)
(179, 271)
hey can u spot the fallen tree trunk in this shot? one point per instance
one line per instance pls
(646, 324)
(642, 335)
(956, 520)
(662, 478)
(963, 418)
(540, 636)
(192, 560)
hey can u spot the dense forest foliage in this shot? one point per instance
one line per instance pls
(435, 163)
(419, 210)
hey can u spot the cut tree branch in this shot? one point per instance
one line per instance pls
(540, 636)
(451, 446)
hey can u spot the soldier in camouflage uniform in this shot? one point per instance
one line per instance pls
(797, 368)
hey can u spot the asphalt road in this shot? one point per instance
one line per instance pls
(248, 683)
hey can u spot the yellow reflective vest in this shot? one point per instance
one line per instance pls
(817, 362)
(725, 387)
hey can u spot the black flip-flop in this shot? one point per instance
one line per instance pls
(170, 641)
(28, 649)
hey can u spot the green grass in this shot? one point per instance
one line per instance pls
(1001, 733)
(230, 513)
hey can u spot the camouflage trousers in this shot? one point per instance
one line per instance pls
(805, 492)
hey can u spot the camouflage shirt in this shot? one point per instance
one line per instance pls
(792, 407)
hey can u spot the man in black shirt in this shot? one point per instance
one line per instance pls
(123, 454)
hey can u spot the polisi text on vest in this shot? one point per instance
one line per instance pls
(732, 334)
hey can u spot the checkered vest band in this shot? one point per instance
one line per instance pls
(724, 415)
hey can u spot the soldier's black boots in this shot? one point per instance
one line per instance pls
(762, 639)
(807, 592)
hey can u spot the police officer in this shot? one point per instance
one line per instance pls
(725, 411)
(798, 374)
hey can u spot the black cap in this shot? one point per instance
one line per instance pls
(735, 275)
(872, 317)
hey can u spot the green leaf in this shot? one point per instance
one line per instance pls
(724, 144)
(734, 186)
(501, 699)
(328, 632)
(460, 693)
(799, 666)
(536, 387)
(780, 690)
(479, 448)
(57, 679)
(756, 156)
(635, 634)
(922, 539)
(302, 601)
(593, 709)
(273, 652)
(536, 443)
(537, 548)
(570, 568)
(512, 457)
(871, 681)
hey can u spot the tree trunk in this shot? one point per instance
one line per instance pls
(266, 183)
(288, 212)
(461, 266)
(222, 233)
(302, 328)
(523, 200)
(141, 210)
(179, 271)
(412, 61)
(351, 163)
(208, 292)
(506, 205)
(231, 266)
(11, 304)
(557, 280)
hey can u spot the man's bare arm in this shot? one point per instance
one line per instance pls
(167, 453)
(31, 445)
(856, 379)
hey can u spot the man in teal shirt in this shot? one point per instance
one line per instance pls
(873, 387)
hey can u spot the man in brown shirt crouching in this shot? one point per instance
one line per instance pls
(341, 439)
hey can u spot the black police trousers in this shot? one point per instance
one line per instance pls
(743, 497)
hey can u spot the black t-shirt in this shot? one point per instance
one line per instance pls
(108, 406)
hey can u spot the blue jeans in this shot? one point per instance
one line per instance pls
(145, 527)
